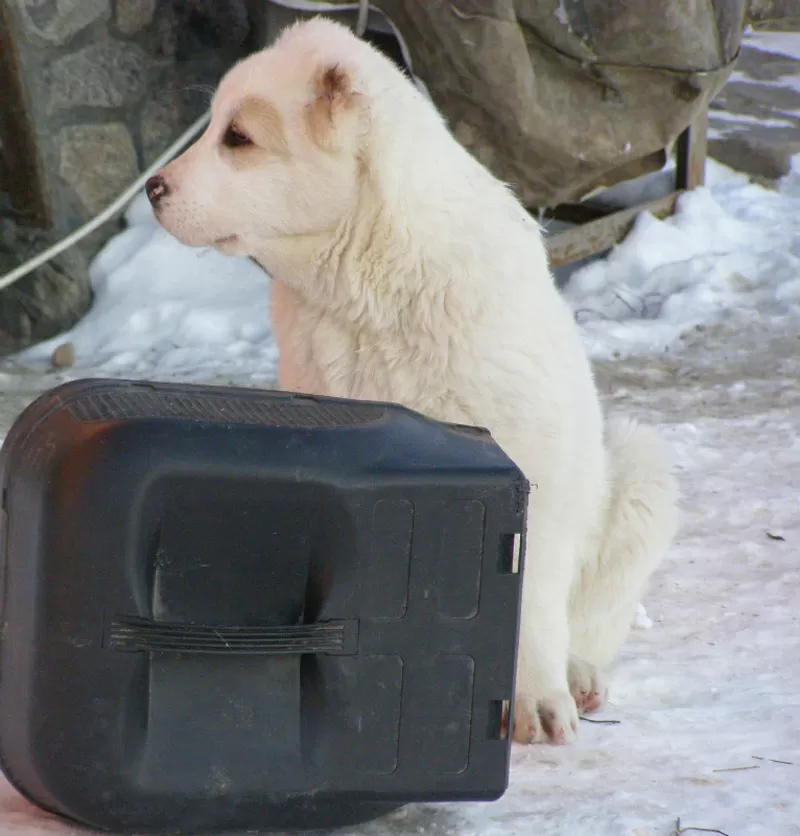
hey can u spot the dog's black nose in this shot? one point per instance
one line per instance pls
(156, 188)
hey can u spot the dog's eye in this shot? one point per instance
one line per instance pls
(234, 138)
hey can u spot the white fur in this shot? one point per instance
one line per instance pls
(404, 271)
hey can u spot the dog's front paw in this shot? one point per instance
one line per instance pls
(587, 684)
(545, 719)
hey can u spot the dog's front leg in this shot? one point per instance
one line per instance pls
(545, 710)
(293, 327)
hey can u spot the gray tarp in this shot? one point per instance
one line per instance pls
(558, 97)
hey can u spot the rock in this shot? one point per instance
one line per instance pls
(160, 123)
(163, 42)
(98, 162)
(212, 24)
(46, 302)
(104, 74)
(56, 21)
(64, 356)
(134, 15)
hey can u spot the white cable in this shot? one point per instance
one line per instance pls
(363, 18)
(120, 203)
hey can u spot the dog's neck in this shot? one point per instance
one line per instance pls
(373, 269)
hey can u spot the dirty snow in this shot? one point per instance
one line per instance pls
(732, 249)
(760, 108)
(694, 323)
(780, 43)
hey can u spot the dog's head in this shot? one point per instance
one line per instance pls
(280, 156)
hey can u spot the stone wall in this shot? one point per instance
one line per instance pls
(109, 84)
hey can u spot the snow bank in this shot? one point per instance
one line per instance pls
(731, 248)
(165, 311)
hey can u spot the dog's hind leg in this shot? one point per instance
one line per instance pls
(587, 684)
(640, 523)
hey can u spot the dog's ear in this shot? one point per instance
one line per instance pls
(333, 99)
(333, 84)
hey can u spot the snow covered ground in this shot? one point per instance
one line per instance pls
(165, 311)
(754, 124)
(694, 323)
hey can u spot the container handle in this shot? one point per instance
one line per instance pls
(133, 634)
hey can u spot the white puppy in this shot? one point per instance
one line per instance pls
(404, 271)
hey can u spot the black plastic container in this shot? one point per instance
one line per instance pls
(234, 609)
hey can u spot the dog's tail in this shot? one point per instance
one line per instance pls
(640, 522)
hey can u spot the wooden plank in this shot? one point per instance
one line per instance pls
(597, 236)
(600, 235)
(690, 153)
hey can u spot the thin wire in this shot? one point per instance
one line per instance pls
(120, 203)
